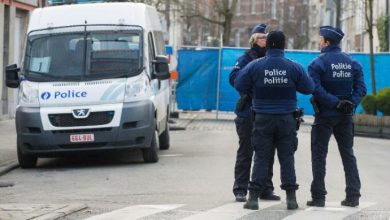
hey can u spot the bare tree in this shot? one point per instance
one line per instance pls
(296, 25)
(225, 10)
(370, 26)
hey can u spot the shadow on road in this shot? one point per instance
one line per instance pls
(88, 160)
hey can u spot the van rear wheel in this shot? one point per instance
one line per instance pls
(25, 160)
(150, 154)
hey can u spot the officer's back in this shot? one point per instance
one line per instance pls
(274, 80)
(337, 77)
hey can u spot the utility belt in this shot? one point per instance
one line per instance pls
(297, 114)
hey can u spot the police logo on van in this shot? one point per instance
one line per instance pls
(80, 113)
(45, 95)
(69, 94)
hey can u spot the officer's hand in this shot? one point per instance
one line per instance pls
(345, 106)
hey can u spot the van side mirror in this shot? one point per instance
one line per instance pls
(161, 67)
(11, 76)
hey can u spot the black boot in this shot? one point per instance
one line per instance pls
(252, 202)
(291, 200)
(350, 202)
(316, 202)
(270, 196)
(240, 197)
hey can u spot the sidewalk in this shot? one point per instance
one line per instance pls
(8, 156)
(38, 211)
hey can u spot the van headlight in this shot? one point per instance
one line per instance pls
(28, 94)
(137, 88)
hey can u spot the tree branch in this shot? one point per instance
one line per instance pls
(205, 18)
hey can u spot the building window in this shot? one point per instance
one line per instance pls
(303, 26)
(314, 46)
(273, 10)
(253, 6)
(263, 5)
(238, 9)
(207, 9)
(237, 38)
(360, 19)
(290, 43)
(291, 12)
(249, 32)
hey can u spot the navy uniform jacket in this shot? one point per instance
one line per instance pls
(242, 61)
(336, 76)
(272, 82)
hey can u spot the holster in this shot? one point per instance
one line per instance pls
(298, 115)
(315, 105)
(253, 115)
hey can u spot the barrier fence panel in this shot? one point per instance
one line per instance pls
(228, 95)
(198, 72)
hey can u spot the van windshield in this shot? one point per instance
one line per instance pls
(83, 56)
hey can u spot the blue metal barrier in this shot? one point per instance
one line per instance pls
(198, 77)
(198, 74)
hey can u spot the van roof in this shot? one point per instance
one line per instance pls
(95, 13)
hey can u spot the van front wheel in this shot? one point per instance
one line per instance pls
(25, 160)
(164, 138)
(150, 154)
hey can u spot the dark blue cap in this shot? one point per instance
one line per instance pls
(332, 33)
(260, 28)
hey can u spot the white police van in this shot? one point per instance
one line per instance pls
(94, 78)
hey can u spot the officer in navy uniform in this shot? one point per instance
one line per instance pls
(339, 87)
(272, 82)
(244, 123)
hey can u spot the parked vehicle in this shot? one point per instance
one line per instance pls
(94, 78)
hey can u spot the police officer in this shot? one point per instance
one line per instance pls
(339, 87)
(272, 82)
(244, 123)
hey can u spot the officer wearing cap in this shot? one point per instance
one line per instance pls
(339, 87)
(244, 123)
(272, 82)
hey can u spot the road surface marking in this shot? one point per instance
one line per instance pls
(134, 212)
(230, 211)
(332, 210)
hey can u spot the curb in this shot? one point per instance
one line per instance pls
(38, 211)
(8, 166)
(62, 212)
(181, 124)
(365, 131)
(372, 132)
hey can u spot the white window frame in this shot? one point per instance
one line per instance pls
(238, 9)
(253, 7)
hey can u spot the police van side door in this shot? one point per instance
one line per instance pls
(160, 88)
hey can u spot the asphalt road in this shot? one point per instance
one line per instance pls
(193, 180)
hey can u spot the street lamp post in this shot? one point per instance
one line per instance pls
(388, 25)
